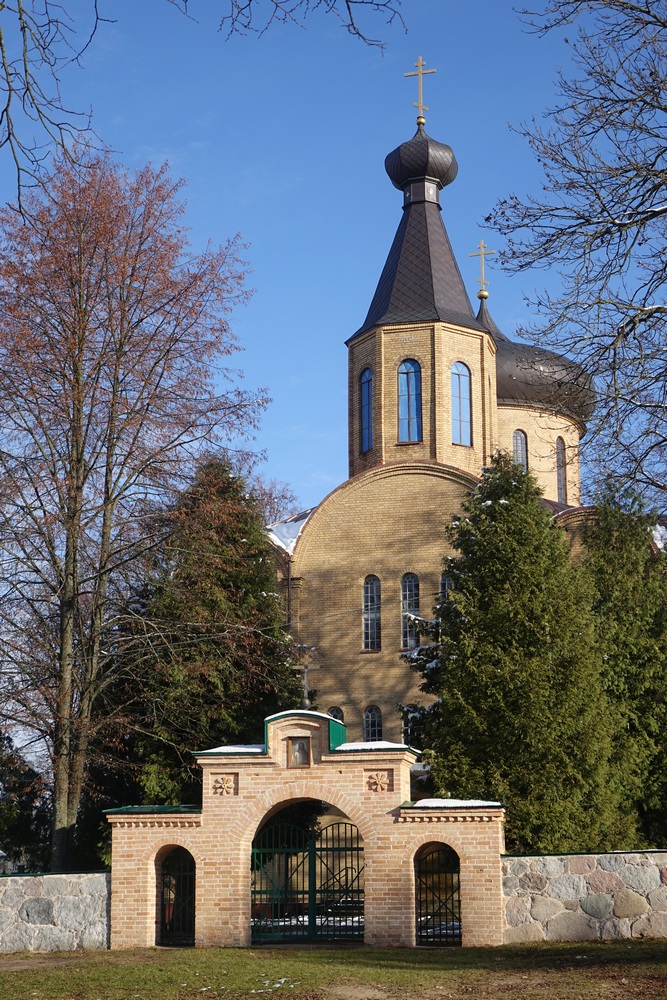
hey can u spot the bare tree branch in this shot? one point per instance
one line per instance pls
(601, 223)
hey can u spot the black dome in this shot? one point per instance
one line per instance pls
(533, 376)
(537, 377)
(420, 157)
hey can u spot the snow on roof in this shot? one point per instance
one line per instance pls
(452, 804)
(300, 711)
(660, 536)
(285, 533)
(374, 745)
(243, 748)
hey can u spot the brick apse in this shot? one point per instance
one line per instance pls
(305, 759)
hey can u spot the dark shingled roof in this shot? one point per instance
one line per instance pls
(421, 281)
(533, 376)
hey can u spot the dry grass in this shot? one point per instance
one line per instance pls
(614, 971)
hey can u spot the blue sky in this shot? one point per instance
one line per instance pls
(283, 137)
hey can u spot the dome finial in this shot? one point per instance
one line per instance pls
(421, 107)
(482, 253)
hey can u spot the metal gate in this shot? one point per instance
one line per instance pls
(438, 898)
(177, 899)
(307, 885)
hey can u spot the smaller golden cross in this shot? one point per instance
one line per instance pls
(482, 253)
(421, 72)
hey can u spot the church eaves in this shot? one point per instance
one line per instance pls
(421, 281)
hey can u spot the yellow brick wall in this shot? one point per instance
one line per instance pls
(436, 348)
(386, 523)
(542, 429)
(220, 841)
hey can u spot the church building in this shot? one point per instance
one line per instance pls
(434, 390)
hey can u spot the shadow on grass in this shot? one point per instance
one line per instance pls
(515, 958)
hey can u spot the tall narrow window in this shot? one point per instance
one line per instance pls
(445, 587)
(520, 449)
(371, 613)
(372, 724)
(409, 401)
(561, 471)
(461, 405)
(366, 410)
(337, 713)
(409, 607)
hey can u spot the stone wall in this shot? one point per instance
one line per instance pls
(54, 912)
(585, 897)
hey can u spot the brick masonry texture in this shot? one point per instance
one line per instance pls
(240, 790)
(389, 518)
(54, 912)
(595, 897)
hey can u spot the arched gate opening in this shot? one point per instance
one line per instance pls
(437, 896)
(176, 899)
(307, 877)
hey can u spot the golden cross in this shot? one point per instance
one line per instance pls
(483, 252)
(421, 107)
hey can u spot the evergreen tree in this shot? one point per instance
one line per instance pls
(521, 714)
(630, 579)
(213, 659)
(24, 814)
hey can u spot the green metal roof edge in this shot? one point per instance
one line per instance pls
(584, 854)
(129, 810)
(337, 735)
(94, 871)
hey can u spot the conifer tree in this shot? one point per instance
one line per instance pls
(630, 579)
(520, 712)
(216, 660)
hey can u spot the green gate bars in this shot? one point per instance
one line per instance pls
(307, 885)
(437, 896)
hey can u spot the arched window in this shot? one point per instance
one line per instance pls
(366, 410)
(409, 401)
(445, 587)
(372, 724)
(337, 713)
(561, 471)
(520, 449)
(409, 606)
(461, 405)
(371, 613)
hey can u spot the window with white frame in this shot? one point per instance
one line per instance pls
(371, 615)
(520, 449)
(372, 724)
(461, 405)
(409, 607)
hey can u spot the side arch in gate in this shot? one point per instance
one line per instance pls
(175, 871)
(437, 895)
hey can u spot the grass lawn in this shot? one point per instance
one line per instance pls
(613, 971)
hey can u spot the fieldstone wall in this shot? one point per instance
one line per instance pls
(54, 912)
(593, 897)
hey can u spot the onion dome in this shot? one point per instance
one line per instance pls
(420, 281)
(533, 376)
(421, 157)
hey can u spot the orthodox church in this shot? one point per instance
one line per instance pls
(434, 389)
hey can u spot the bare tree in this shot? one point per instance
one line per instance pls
(39, 39)
(112, 337)
(601, 222)
(258, 15)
